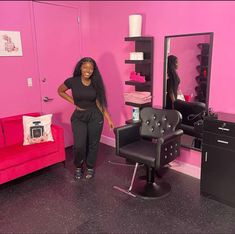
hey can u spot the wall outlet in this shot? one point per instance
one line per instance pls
(30, 82)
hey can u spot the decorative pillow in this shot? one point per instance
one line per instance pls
(37, 129)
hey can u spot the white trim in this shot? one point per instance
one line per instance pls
(108, 141)
(177, 165)
(186, 168)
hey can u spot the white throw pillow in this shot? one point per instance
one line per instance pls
(37, 129)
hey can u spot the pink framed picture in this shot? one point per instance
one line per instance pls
(10, 43)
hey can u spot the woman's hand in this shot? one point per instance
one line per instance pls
(111, 124)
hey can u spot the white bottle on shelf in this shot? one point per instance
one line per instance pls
(136, 114)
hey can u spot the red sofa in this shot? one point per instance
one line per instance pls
(17, 160)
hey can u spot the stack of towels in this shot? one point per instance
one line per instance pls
(138, 97)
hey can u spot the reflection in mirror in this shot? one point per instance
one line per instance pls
(187, 63)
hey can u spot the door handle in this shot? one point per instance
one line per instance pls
(47, 99)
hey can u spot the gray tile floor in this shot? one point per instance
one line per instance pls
(50, 201)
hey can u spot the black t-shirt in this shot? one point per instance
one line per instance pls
(83, 96)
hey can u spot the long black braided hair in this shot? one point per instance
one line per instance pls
(96, 80)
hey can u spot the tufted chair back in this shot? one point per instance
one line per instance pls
(157, 123)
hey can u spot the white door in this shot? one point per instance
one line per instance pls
(58, 50)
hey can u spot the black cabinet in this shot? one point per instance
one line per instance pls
(144, 67)
(218, 158)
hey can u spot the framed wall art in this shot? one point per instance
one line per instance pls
(10, 43)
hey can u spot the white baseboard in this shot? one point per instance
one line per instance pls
(177, 165)
(107, 140)
(186, 168)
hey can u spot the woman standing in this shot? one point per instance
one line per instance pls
(173, 81)
(88, 95)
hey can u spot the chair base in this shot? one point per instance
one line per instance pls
(151, 190)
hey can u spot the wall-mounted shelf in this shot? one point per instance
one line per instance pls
(138, 105)
(131, 121)
(134, 83)
(138, 38)
(138, 61)
(144, 67)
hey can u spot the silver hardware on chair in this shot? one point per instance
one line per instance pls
(165, 156)
(165, 149)
(131, 185)
(148, 122)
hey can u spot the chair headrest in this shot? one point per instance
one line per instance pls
(156, 122)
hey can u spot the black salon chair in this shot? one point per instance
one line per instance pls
(154, 142)
(191, 112)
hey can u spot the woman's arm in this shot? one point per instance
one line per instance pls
(106, 114)
(62, 92)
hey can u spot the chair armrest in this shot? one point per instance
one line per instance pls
(126, 134)
(170, 136)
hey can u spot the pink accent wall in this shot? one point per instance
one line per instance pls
(186, 50)
(104, 25)
(109, 26)
(16, 97)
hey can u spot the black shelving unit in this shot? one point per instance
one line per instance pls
(144, 67)
(202, 69)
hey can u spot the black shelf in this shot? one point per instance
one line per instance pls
(139, 84)
(138, 38)
(131, 121)
(138, 105)
(138, 61)
(143, 67)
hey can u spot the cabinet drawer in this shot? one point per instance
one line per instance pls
(221, 141)
(219, 127)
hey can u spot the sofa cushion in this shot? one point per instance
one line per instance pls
(37, 129)
(18, 154)
(13, 129)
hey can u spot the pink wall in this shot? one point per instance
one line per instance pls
(16, 97)
(109, 26)
(186, 50)
(104, 25)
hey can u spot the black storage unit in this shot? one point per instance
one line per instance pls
(202, 68)
(218, 158)
(144, 67)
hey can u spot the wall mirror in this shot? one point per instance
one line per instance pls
(187, 68)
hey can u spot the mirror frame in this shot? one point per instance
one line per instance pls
(211, 34)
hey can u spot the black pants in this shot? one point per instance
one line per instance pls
(87, 127)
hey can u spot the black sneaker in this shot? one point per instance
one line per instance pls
(78, 174)
(90, 173)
